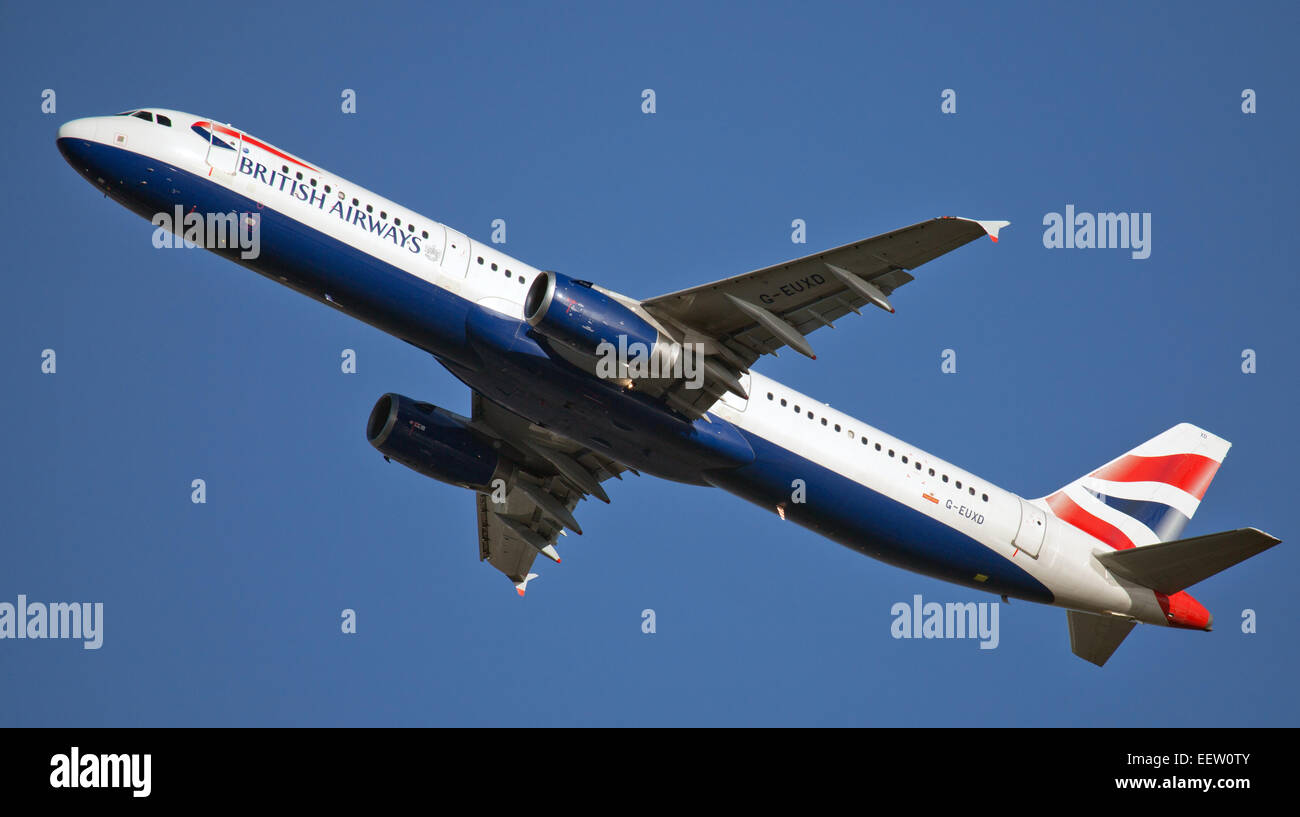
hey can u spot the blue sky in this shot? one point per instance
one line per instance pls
(175, 365)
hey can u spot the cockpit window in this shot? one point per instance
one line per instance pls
(148, 116)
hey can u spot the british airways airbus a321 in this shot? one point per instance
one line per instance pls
(573, 384)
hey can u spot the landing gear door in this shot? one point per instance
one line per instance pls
(1033, 527)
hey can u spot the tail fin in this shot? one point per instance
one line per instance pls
(1147, 495)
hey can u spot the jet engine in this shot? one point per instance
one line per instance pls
(596, 332)
(434, 442)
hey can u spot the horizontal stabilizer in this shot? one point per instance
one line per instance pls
(1095, 638)
(1169, 567)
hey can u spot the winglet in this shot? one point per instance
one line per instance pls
(990, 227)
(520, 587)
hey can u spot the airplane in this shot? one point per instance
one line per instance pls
(552, 419)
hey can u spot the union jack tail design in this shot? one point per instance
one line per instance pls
(1146, 496)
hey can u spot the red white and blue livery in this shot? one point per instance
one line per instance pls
(548, 426)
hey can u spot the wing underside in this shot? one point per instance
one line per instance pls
(539, 499)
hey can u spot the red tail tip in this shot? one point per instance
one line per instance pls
(1181, 610)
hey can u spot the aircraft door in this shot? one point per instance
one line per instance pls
(435, 243)
(1033, 527)
(224, 149)
(455, 259)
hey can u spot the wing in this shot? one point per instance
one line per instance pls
(737, 320)
(553, 475)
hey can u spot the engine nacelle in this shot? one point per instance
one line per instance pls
(596, 332)
(434, 442)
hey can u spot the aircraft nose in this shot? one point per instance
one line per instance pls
(79, 129)
(78, 146)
